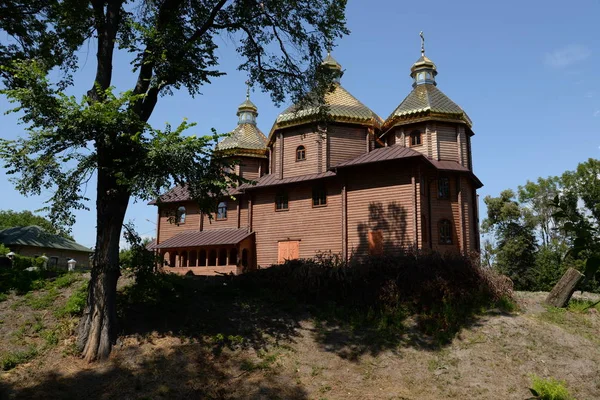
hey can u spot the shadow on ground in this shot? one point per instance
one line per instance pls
(227, 312)
(169, 372)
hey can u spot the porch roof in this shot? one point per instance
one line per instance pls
(213, 237)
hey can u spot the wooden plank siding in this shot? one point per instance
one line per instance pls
(379, 200)
(444, 209)
(345, 143)
(317, 228)
(287, 142)
(448, 145)
(249, 167)
(169, 229)
(230, 223)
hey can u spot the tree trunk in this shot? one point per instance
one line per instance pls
(563, 290)
(97, 330)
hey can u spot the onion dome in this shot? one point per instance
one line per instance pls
(426, 102)
(343, 107)
(246, 139)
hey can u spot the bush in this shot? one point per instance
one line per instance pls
(443, 291)
(11, 360)
(76, 303)
(4, 250)
(549, 389)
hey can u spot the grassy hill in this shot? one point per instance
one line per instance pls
(207, 339)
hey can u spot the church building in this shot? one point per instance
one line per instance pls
(356, 186)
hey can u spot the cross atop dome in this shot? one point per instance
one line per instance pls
(423, 70)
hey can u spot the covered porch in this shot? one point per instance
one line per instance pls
(220, 251)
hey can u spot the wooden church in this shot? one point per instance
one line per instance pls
(359, 185)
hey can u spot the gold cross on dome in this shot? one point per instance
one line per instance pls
(422, 43)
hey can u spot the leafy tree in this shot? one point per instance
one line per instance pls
(513, 229)
(537, 197)
(11, 219)
(106, 136)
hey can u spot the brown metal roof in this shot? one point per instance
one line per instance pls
(181, 193)
(272, 180)
(214, 237)
(393, 152)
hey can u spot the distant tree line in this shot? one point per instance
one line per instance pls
(532, 233)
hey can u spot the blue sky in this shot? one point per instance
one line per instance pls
(526, 72)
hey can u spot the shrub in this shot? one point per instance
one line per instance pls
(549, 389)
(76, 303)
(11, 360)
(443, 291)
(4, 250)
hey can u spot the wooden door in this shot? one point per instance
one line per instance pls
(288, 250)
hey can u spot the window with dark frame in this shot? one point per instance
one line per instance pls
(415, 138)
(281, 202)
(445, 232)
(319, 197)
(443, 188)
(222, 211)
(181, 215)
(300, 153)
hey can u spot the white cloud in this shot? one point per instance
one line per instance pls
(563, 57)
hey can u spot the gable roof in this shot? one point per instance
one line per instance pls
(343, 107)
(36, 237)
(426, 100)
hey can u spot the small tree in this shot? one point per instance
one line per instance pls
(106, 136)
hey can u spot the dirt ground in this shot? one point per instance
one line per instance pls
(493, 358)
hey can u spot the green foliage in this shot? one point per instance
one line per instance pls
(513, 228)
(11, 360)
(4, 250)
(549, 389)
(11, 219)
(75, 303)
(548, 210)
(137, 259)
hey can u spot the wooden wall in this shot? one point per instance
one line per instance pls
(380, 199)
(250, 166)
(448, 144)
(317, 228)
(444, 209)
(345, 143)
(169, 229)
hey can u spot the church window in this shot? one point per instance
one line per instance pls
(319, 197)
(222, 211)
(445, 232)
(300, 153)
(443, 188)
(181, 215)
(281, 202)
(415, 138)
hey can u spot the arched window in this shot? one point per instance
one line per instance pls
(445, 228)
(300, 153)
(202, 258)
(415, 138)
(193, 258)
(181, 215)
(222, 211)
(233, 256)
